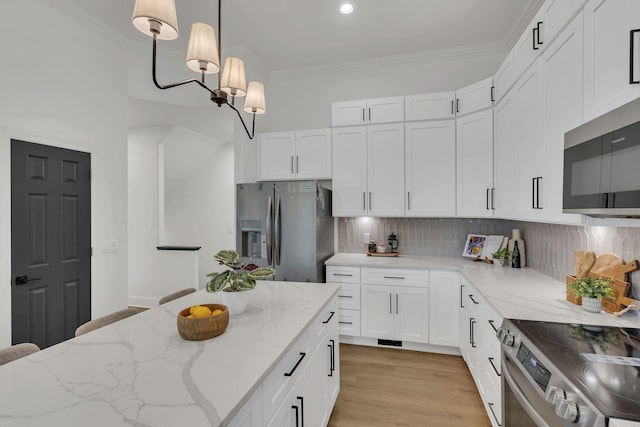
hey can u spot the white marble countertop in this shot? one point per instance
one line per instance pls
(521, 293)
(139, 372)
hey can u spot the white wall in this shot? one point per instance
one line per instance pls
(304, 102)
(64, 85)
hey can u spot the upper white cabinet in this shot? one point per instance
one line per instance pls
(368, 165)
(505, 77)
(432, 106)
(474, 97)
(366, 111)
(295, 155)
(505, 163)
(430, 168)
(609, 69)
(474, 164)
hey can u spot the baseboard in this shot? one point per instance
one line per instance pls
(427, 348)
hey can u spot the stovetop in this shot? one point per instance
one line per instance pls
(602, 362)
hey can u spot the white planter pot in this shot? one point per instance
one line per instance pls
(498, 262)
(236, 302)
(592, 305)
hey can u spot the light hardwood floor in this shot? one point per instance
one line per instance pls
(389, 387)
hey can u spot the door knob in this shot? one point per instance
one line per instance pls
(23, 280)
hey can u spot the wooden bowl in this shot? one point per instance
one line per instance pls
(203, 328)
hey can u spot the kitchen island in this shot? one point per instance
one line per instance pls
(140, 372)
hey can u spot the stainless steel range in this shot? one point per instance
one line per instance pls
(556, 374)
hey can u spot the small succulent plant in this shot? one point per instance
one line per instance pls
(239, 277)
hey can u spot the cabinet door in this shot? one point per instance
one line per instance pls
(607, 67)
(317, 401)
(250, 415)
(313, 154)
(444, 299)
(295, 410)
(555, 15)
(385, 150)
(562, 106)
(377, 311)
(505, 77)
(349, 171)
(385, 110)
(432, 106)
(529, 122)
(276, 155)
(348, 113)
(474, 161)
(505, 160)
(527, 48)
(430, 159)
(411, 321)
(474, 97)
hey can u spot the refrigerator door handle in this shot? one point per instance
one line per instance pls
(277, 230)
(268, 224)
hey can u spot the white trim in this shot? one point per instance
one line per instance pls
(146, 302)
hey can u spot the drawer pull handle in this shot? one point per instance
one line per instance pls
(394, 277)
(346, 323)
(301, 411)
(329, 319)
(297, 414)
(332, 357)
(288, 374)
(345, 296)
(343, 274)
(494, 414)
(493, 326)
(494, 367)
(474, 301)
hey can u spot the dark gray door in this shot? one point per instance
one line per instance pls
(50, 242)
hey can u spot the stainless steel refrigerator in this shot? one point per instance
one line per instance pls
(286, 225)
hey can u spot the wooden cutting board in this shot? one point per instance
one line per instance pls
(620, 271)
(606, 262)
(584, 261)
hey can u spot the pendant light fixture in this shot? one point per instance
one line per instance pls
(157, 19)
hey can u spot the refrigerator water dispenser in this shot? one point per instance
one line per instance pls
(252, 245)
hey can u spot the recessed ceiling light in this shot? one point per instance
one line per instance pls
(346, 8)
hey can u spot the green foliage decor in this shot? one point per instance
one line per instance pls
(592, 287)
(240, 277)
(501, 254)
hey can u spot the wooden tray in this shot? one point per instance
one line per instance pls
(610, 305)
(387, 254)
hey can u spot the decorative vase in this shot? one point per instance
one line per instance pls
(236, 301)
(592, 305)
(521, 246)
(498, 262)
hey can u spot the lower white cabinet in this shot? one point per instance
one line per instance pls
(296, 407)
(444, 291)
(395, 313)
(348, 278)
(250, 415)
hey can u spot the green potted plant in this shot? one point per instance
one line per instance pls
(592, 290)
(500, 256)
(236, 281)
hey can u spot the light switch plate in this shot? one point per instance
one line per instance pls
(367, 237)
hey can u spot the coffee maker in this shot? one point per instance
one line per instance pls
(392, 243)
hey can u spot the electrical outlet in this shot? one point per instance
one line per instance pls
(367, 237)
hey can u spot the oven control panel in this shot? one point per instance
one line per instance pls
(534, 367)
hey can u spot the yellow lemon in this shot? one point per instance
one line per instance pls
(200, 311)
(216, 312)
(190, 316)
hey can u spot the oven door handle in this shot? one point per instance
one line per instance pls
(519, 395)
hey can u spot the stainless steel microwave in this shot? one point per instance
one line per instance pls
(601, 174)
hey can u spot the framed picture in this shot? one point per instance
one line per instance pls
(474, 245)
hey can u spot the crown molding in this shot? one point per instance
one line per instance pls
(472, 51)
(521, 23)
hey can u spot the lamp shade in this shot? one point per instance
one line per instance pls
(233, 81)
(254, 102)
(162, 11)
(203, 49)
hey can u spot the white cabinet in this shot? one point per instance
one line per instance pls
(623, 423)
(367, 111)
(394, 304)
(475, 97)
(505, 171)
(489, 363)
(555, 15)
(469, 328)
(561, 85)
(295, 155)
(348, 298)
(368, 166)
(444, 299)
(609, 69)
(505, 77)
(474, 164)
(295, 410)
(529, 134)
(430, 159)
(431, 106)
(250, 415)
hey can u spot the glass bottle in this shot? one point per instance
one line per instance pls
(515, 256)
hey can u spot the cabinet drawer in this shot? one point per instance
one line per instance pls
(349, 296)
(325, 320)
(493, 405)
(349, 322)
(340, 274)
(284, 375)
(381, 276)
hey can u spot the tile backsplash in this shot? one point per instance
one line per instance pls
(550, 247)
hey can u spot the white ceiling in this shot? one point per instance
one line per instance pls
(292, 34)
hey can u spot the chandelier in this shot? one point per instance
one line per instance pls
(157, 19)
